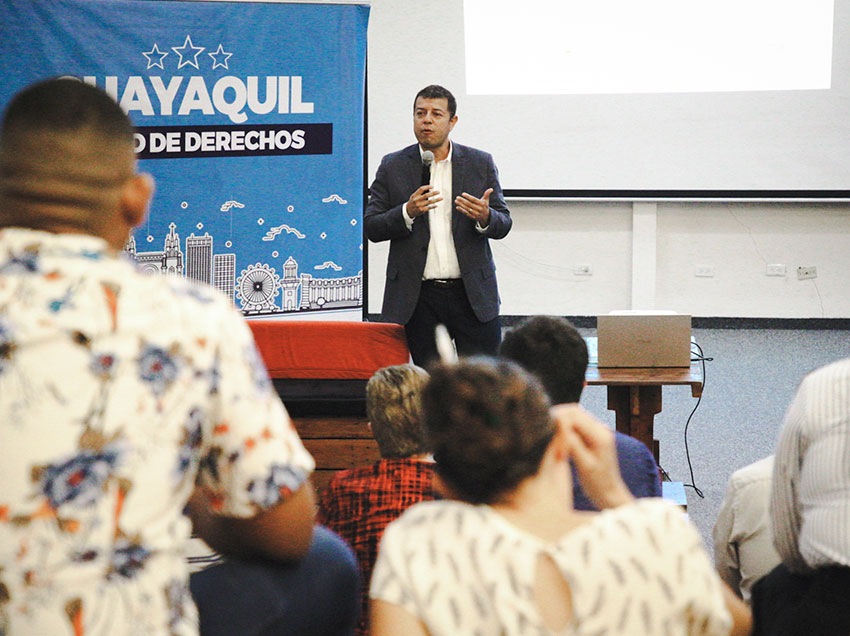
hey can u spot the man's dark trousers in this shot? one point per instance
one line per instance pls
(446, 303)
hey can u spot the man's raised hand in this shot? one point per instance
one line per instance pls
(423, 199)
(476, 209)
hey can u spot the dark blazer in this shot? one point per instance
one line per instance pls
(400, 173)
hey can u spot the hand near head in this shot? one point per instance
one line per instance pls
(476, 209)
(591, 446)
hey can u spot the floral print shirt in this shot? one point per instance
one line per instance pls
(118, 393)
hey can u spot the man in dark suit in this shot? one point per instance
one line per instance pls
(439, 203)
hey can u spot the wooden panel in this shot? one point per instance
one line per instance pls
(332, 428)
(336, 454)
(336, 443)
(646, 376)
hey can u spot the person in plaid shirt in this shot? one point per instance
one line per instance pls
(360, 502)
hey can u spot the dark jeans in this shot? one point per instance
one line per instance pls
(449, 306)
(814, 604)
(319, 596)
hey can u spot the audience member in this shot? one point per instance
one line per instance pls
(119, 392)
(743, 541)
(810, 498)
(509, 554)
(359, 503)
(554, 351)
(810, 513)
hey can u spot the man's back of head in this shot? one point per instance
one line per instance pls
(393, 397)
(553, 350)
(67, 163)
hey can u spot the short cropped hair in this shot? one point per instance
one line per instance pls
(393, 399)
(435, 91)
(65, 105)
(63, 142)
(488, 426)
(553, 350)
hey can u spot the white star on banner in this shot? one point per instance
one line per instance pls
(191, 60)
(153, 52)
(223, 61)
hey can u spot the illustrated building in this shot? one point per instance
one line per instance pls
(199, 258)
(290, 284)
(258, 285)
(326, 293)
(224, 274)
(129, 248)
(169, 261)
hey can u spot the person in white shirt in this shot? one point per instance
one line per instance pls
(810, 498)
(807, 593)
(743, 540)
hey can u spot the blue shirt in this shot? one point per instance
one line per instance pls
(637, 466)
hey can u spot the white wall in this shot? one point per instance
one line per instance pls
(739, 240)
(536, 261)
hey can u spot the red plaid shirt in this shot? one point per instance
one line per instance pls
(359, 503)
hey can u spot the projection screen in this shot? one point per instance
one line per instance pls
(630, 98)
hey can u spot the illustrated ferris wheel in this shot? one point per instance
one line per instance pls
(257, 287)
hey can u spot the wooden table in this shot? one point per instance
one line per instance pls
(634, 394)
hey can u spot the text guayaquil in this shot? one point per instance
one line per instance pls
(230, 95)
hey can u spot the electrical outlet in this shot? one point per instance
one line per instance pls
(704, 271)
(583, 270)
(776, 269)
(807, 272)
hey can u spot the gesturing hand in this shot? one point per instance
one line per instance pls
(476, 209)
(422, 200)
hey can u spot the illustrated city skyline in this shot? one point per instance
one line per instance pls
(256, 289)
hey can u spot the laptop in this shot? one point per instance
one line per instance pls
(644, 339)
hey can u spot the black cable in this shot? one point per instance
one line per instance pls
(702, 360)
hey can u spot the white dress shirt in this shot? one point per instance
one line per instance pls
(810, 502)
(442, 257)
(441, 261)
(743, 541)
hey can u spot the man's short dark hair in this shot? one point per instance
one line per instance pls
(552, 349)
(66, 151)
(435, 91)
(65, 105)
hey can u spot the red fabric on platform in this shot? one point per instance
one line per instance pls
(333, 350)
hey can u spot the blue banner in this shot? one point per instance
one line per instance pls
(249, 116)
